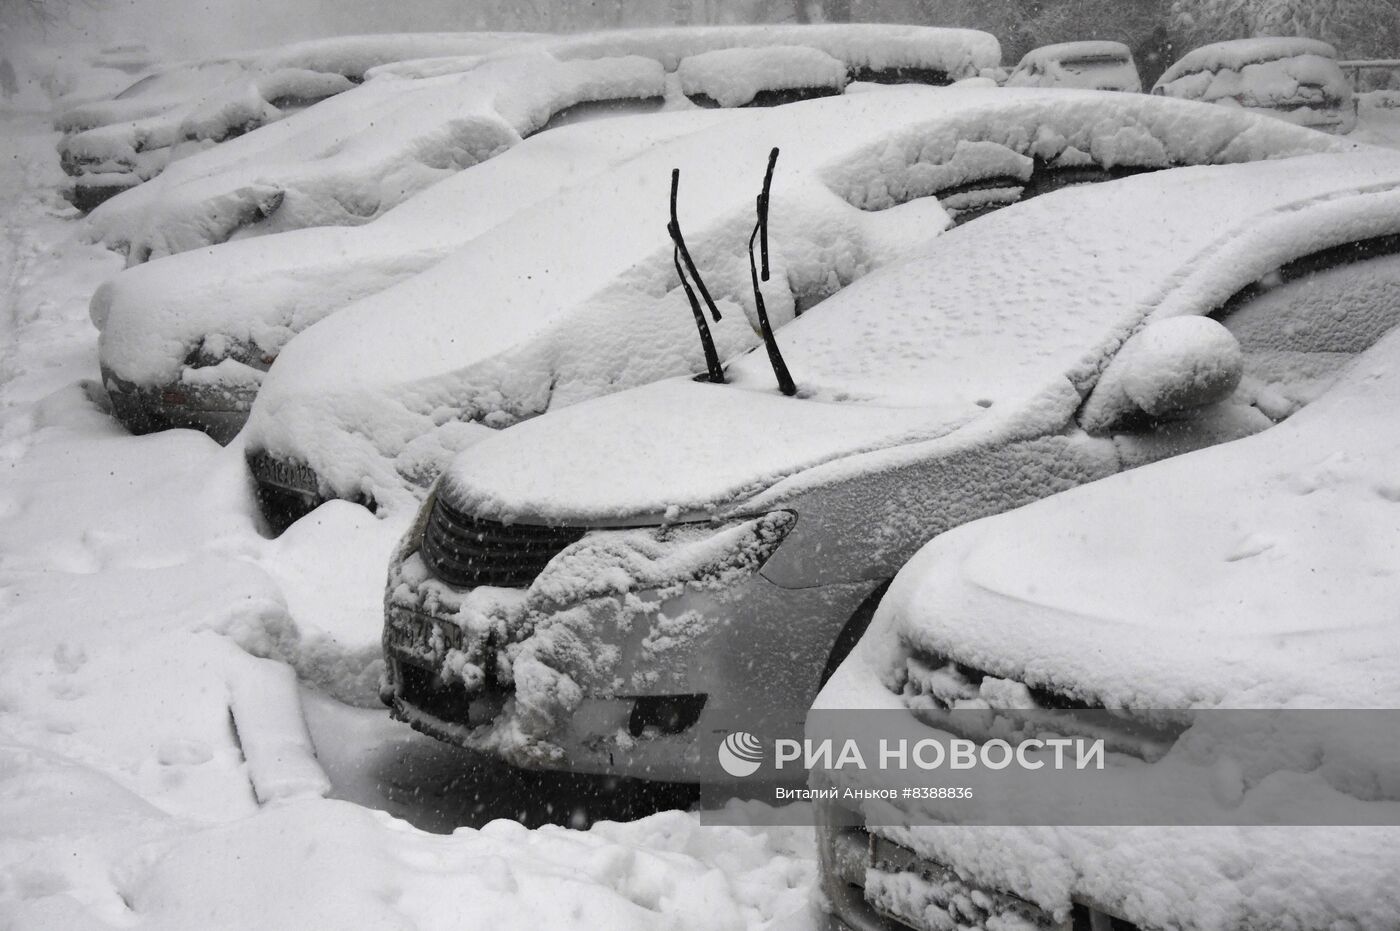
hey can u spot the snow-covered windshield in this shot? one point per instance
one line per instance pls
(945, 328)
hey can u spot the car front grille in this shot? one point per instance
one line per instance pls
(467, 551)
(941, 897)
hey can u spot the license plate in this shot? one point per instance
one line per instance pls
(423, 636)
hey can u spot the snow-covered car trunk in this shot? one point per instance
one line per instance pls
(697, 553)
(1104, 66)
(1255, 575)
(113, 145)
(1298, 80)
(350, 159)
(373, 402)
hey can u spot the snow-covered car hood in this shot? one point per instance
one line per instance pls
(669, 450)
(938, 339)
(1261, 573)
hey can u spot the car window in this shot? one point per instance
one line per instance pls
(1090, 62)
(1300, 326)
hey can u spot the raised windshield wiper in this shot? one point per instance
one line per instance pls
(679, 252)
(760, 232)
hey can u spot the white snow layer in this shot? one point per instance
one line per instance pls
(351, 159)
(135, 587)
(376, 398)
(936, 341)
(1257, 574)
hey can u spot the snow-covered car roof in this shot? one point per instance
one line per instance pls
(349, 160)
(542, 333)
(1254, 574)
(1235, 54)
(941, 342)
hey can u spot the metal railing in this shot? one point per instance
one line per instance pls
(1353, 69)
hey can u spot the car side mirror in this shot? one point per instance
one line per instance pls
(1172, 365)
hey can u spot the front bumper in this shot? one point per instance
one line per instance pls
(870, 883)
(219, 412)
(665, 675)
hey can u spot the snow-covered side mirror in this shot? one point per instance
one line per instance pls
(1172, 365)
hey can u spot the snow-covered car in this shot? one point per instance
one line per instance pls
(1254, 575)
(1295, 79)
(595, 589)
(186, 341)
(353, 157)
(371, 403)
(112, 145)
(1098, 65)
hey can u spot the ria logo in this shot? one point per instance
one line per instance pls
(741, 754)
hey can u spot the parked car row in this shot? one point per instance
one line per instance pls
(719, 546)
(170, 113)
(113, 146)
(671, 426)
(397, 377)
(1295, 79)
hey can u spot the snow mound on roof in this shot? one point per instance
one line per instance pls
(1235, 54)
(734, 77)
(359, 154)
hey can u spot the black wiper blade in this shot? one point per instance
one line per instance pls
(760, 233)
(679, 252)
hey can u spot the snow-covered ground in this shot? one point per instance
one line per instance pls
(155, 763)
